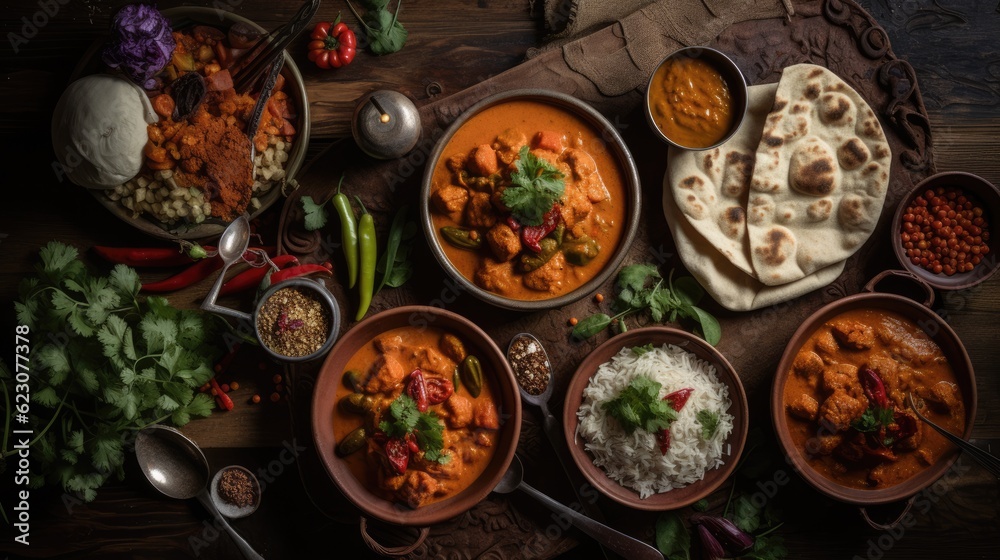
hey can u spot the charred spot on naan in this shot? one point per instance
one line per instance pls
(836, 109)
(853, 153)
(732, 222)
(820, 210)
(779, 245)
(760, 208)
(812, 170)
(738, 171)
(852, 211)
(812, 90)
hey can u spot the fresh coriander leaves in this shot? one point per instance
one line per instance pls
(404, 419)
(316, 214)
(641, 287)
(672, 538)
(382, 29)
(709, 423)
(639, 406)
(535, 187)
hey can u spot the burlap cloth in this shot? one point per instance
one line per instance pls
(604, 56)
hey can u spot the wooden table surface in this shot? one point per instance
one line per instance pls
(453, 44)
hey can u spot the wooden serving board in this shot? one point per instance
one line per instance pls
(836, 34)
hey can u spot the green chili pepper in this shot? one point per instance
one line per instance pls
(461, 237)
(367, 251)
(348, 233)
(531, 261)
(581, 251)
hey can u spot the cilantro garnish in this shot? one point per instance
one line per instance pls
(535, 187)
(104, 363)
(640, 287)
(873, 419)
(709, 423)
(639, 406)
(404, 419)
(315, 214)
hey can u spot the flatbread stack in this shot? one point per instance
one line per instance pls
(775, 211)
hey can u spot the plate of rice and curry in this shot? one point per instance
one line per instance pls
(174, 159)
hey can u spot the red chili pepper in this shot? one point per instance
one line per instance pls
(332, 45)
(300, 270)
(412, 444)
(417, 389)
(221, 397)
(532, 235)
(226, 360)
(146, 256)
(663, 437)
(873, 386)
(398, 453)
(252, 277)
(513, 224)
(904, 425)
(678, 398)
(438, 390)
(198, 271)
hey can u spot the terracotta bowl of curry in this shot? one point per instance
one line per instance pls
(687, 464)
(696, 98)
(416, 415)
(838, 402)
(530, 200)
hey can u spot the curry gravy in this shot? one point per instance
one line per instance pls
(824, 398)
(604, 223)
(471, 430)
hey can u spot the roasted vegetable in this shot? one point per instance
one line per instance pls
(471, 373)
(580, 251)
(461, 237)
(352, 442)
(531, 262)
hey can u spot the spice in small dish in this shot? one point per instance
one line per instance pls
(236, 492)
(945, 231)
(294, 322)
(530, 364)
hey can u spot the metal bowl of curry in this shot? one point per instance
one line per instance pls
(696, 98)
(416, 415)
(838, 402)
(530, 200)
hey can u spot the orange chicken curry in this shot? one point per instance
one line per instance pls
(846, 399)
(528, 201)
(416, 419)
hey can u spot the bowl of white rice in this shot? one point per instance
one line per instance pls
(670, 467)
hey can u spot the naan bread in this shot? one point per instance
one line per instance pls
(726, 283)
(820, 177)
(710, 187)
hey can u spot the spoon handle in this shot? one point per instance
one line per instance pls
(626, 546)
(245, 548)
(991, 462)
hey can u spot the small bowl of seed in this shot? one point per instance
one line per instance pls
(235, 491)
(297, 320)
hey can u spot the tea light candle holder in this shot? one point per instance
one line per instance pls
(386, 124)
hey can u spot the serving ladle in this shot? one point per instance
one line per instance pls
(620, 543)
(232, 244)
(991, 462)
(176, 467)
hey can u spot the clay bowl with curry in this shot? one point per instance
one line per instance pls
(696, 98)
(416, 415)
(530, 200)
(839, 399)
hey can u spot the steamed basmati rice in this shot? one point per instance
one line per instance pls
(634, 460)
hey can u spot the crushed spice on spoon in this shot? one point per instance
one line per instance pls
(294, 322)
(531, 368)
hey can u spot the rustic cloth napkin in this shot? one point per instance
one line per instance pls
(609, 67)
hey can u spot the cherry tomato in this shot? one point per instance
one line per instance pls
(438, 390)
(332, 45)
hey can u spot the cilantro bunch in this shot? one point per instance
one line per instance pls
(103, 364)
(640, 287)
(535, 187)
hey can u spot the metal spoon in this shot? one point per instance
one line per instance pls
(232, 244)
(987, 460)
(177, 468)
(622, 544)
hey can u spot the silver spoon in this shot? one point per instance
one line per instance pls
(177, 468)
(232, 244)
(987, 460)
(620, 543)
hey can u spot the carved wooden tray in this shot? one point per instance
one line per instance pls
(837, 34)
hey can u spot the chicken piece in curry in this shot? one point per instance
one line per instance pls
(846, 399)
(415, 421)
(528, 201)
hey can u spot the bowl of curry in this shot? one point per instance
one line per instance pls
(416, 415)
(839, 399)
(530, 199)
(696, 98)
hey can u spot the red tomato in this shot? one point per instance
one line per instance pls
(398, 453)
(438, 390)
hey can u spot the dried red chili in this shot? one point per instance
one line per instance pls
(438, 390)
(397, 451)
(221, 397)
(531, 236)
(873, 386)
(417, 390)
(678, 398)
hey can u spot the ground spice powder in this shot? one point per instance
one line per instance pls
(293, 322)
(236, 488)
(531, 368)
